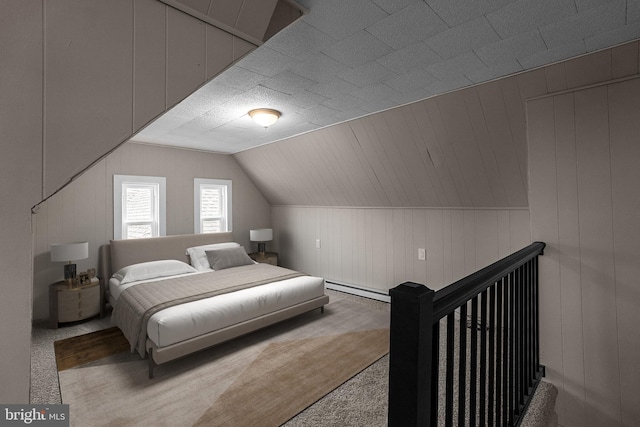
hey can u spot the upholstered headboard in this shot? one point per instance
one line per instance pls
(120, 253)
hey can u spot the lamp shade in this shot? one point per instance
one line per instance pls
(65, 252)
(261, 235)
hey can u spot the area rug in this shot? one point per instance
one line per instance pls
(264, 378)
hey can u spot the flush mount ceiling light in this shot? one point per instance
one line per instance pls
(265, 117)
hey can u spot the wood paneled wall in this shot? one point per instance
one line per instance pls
(584, 199)
(251, 17)
(20, 186)
(83, 211)
(377, 248)
(112, 67)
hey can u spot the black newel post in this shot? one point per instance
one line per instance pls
(410, 355)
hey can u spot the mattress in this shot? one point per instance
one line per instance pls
(175, 324)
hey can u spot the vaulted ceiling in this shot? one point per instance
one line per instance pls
(344, 60)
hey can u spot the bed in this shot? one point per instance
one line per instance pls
(169, 301)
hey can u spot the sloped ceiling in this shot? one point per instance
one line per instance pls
(463, 149)
(346, 59)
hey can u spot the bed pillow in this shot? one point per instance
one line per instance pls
(219, 259)
(152, 270)
(198, 257)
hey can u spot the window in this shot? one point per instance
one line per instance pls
(212, 205)
(139, 206)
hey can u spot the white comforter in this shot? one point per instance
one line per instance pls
(189, 320)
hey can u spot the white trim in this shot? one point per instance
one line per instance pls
(197, 182)
(357, 290)
(118, 181)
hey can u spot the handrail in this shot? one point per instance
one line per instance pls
(503, 368)
(449, 298)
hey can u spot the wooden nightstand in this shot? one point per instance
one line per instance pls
(70, 304)
(268, 258)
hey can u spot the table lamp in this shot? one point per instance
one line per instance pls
(69, 252)
(261, 235)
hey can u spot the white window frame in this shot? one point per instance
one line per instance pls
(198, 184)
(160, 211)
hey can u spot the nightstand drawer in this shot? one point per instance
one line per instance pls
(73, 304)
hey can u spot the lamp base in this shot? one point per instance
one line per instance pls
(261, 248)
(70, 271)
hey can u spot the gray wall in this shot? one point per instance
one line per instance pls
(584, 203)
(377, 248)
(83, 211)
(78, 78)
(20, 186)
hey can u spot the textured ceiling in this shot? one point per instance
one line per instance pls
(348, 59)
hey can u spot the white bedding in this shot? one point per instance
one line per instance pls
(185, 321)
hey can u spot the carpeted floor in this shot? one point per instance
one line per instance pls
(348, 331)
(362, 400)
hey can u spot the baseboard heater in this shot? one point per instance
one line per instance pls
(357, 290)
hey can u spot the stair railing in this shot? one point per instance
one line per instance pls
(485, 327)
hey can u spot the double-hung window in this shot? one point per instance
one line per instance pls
(139, 206)
(212, 205)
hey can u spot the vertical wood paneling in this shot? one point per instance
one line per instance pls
(596, 237)
(21, 122)
(486, 237)
(377, 248)
(520, 233)
(432, 157)
(220, 60)
(569, 259)
(513, 100)
(447, 247)
(459, 197)
(469, 238)
(481, 133)
(88, 76)
(464, 143)
(436, 248)
(150, 56)
(496, 117)
(504, 235)
(186, 58)
(584, 204)
(420, 240)
(544, 227)
(458, 246)
(255, 16)
(625, 175)
(111, 68)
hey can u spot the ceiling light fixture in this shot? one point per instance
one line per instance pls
(265, 117)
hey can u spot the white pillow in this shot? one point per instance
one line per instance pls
(198, 255)
(152, 270)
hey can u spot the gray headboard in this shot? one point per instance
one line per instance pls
(120, 253)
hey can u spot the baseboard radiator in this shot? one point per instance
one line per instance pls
(467, 354)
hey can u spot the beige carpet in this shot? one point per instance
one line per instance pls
(262, 379)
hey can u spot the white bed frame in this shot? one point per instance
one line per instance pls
(126, 252)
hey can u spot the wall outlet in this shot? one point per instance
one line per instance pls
(421, 254)
(318, 243)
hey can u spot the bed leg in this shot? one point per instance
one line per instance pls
(152, 364)
(322, 309)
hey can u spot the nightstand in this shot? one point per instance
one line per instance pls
(70, 304)
(268, 258)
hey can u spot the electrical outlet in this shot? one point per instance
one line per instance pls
(421, 254)
(318, 243)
